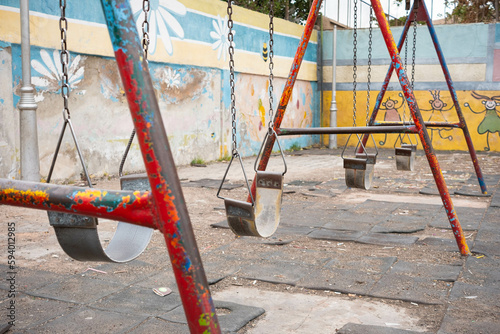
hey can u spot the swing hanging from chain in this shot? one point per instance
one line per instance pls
(360, 168)
(77, 234)
(260, 217)
(405, 154)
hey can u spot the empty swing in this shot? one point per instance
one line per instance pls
(406, 152)
(261, 216)
(360, 168)
(77, 234)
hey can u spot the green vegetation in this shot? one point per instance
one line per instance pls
(197, 161)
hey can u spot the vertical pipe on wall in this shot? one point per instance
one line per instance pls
(30, 162)
(333, 106)
(169, 205)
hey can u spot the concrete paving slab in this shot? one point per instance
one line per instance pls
(218, 268)
(138, 300)
(123, 273)
(352, 328)
(212, 184)
(411, 289)
(276, 272)
(232, 316)
(489, 248)
(29, 279)
(483, 271)
(438, 272)
(371, 206)
(401, 224)
(478, 319)
(346, 281)
(77, 289)
(469, 218)
(164, 278)
(348, 275)
(387, 239)
(305, 256)
(155, 325)
(439, 245)
(34, 311)
(495, 200)
(88, 320)
(302, 313)
(477, 294)
(335, 235)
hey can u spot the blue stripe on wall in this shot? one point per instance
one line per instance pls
(246, 38)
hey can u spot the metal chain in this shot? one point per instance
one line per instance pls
(271, 67)
(414, 51)
(64, 57)
(145, 28)
(230, 38)
(354, 61)
(406, 71)
(369, 76)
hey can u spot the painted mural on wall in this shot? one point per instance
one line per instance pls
(491, 121)
(188, 65)
(480, 109)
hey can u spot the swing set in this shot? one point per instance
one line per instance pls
(73, 211)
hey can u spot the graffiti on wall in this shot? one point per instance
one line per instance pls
(481, 112)
(436, 114)
(491, 121)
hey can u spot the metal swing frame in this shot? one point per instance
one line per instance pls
(163, 207)
(417, 127)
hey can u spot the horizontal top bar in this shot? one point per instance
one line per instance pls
(346, 130)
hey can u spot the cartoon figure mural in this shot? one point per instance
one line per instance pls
(491, 122)
(437, 108)
(391, 113)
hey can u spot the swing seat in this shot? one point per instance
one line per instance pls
(359, 171)
(261, 219)
(78, 235)
(405, 157)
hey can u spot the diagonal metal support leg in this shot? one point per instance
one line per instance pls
(422, 130)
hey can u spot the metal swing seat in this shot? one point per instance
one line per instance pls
(359, 170)
(77, 235)
(405, 157)
(261, 216)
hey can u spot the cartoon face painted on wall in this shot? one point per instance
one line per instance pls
(491, 121)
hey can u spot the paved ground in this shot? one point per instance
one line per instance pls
(343, 260)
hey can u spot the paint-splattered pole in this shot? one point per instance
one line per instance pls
(419, 123)
(169, 204)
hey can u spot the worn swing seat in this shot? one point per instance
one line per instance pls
(405, 157)
(262, 218)
(78, 235)
(359, 171)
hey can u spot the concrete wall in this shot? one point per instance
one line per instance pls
(188, 64)
(472, 53)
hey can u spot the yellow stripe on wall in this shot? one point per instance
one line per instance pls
(94, 39)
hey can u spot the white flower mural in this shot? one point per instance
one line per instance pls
(51, 70)
(161, 22)
(171, 78)
(220, 33)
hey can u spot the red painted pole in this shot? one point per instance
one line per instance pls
(168, 200)
(422, 131)
(287, 91)
(127, 206)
